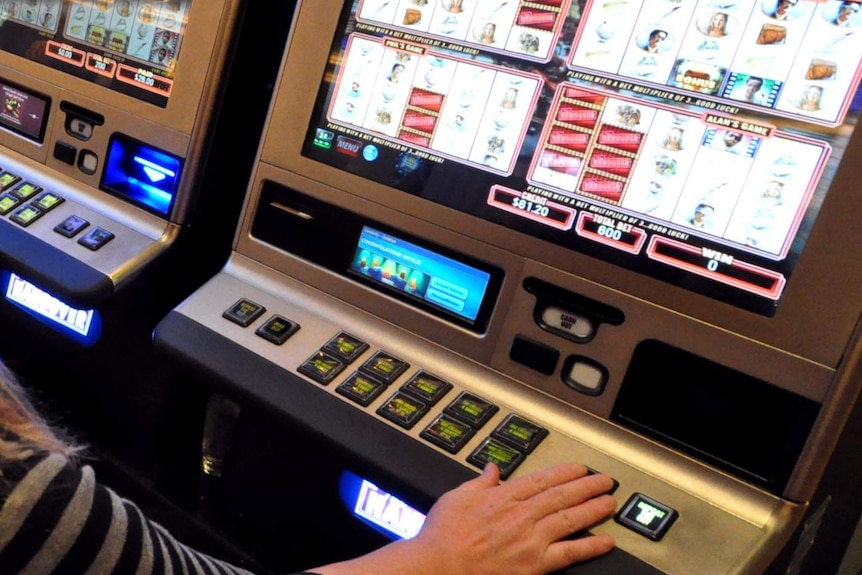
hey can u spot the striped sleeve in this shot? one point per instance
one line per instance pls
(58, 519)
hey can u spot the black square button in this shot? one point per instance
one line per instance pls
(384, 367)
(448, 433)
(277, 329)
(26, 215)
(361, 388)
(492, 451)
(519, 433)
(614, 486)
(321, 367)
(96, 238)
(646, 516)
(403, 410)
(71, 226)
(429, 388)
(244, 312)
(8, 203)
(65, 152)
(471, 409)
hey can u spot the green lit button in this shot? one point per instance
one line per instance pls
(448, 433)
(471, 409)
(26, 191)
(492, 451)
(7, 203)
(48, 201)
(520, 433)
(26, 215)
(429, 388)
(361, 388)
(321, 367)
(403, 410)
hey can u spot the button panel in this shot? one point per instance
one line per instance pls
(416, 400)
(25, 202)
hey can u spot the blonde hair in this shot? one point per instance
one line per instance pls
(28, 430)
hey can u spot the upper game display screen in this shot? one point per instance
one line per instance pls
(130, 46)
(692, 141)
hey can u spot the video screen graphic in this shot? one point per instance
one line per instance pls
(529, 29)
(133, 43)
(800, 58)
(701, 170)
(23, 112)
(441, 281)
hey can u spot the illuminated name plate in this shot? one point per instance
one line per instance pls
(27, 295)
(388, 512)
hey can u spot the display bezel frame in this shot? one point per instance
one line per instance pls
(827, 310)
(44, 98)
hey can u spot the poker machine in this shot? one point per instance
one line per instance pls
(127, 134)
(527, 232)
(109, 108)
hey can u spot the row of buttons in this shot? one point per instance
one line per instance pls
(28, 202)
(507, 445)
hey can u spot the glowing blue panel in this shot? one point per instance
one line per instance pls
(380, 509)
(142, 174)
(81, 325)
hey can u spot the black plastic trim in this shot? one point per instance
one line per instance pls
(70, 280)
(244, 375)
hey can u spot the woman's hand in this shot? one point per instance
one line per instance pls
(519, 527)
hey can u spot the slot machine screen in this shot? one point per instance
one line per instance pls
(130, 46)
(689, 141)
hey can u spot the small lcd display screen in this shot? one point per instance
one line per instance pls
(428, 276)
(690, 141)
(23, 112)
(131, 46)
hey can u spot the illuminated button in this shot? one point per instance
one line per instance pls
(573, 325)
(471, 409)
(492, 451)
(88, 162)
(519, 433)
(243, 312)
(80, 128)
(403, 410)
(96, 238)
(384, 367)
(646, 516)
(448, 433)
(277, 329)
(8, 203)
(585, 375)
(321, 367)
(48, 201)
(361, 388)
(7, 180)
(345, 347)
(26, 191)
(429, 388)
(26, 215)
(71, 226)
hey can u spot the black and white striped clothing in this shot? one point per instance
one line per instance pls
(56, 518)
